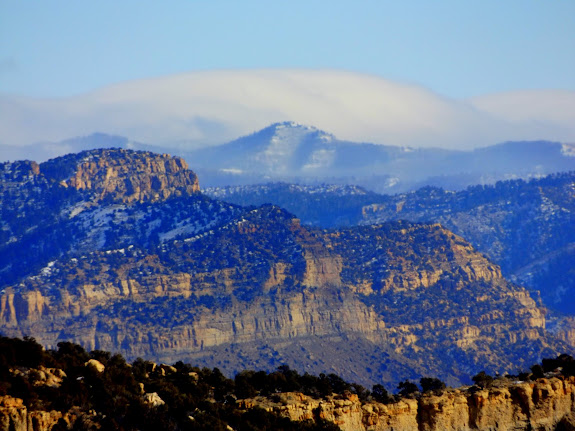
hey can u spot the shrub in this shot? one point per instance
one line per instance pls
(483, 380)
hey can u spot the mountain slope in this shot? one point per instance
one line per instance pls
(166, 273)
(524, 226)
(297, 153)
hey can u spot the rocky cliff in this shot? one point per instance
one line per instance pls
(126, 176)
(15, 416)
(541, 405)
(70, 205)
(526, 227)
(266, 280)
(545, 404)
(133, 259)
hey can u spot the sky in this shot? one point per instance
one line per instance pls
(458, 50)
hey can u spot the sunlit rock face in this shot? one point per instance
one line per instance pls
(117, 250)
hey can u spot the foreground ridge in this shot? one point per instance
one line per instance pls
(69, 388)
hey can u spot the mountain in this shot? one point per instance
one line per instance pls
(296, 153)
(119, 250)
(526, 227)
(293, 149)
(302, 154)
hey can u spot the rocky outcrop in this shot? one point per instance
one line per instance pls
(564, 328)
(540, 405)
(15, 416)
(523, 226)
(128, 176)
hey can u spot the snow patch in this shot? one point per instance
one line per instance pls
(233, 171)
(320, 159)
(568, 150)
(77, 209)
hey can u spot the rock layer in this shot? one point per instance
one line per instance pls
(539, 405)
(125, 255)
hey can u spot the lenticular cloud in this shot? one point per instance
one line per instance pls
(210, 107)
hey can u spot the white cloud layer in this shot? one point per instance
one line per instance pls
(205, 108)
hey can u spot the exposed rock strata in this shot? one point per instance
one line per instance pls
(14, 416)
(126, 256)
(324, 295)
(539, 405)
(545, 404)
(139, 178)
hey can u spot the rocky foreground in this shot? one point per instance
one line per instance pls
(543, 404)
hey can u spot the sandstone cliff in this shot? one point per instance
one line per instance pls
(128, 176)
(526, 227)
(545, 404)
(69, 388)
(540, 405)
(15, 416)
(127, 256)
(434, 314)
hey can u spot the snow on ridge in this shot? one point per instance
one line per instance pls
(320, 159)
(568, 150)
(234, 171)
(293, 125)
(333, 189)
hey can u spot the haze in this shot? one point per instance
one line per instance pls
(193, 73)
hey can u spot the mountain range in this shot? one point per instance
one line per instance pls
(301, 154)
(526, 227)
(119, 250)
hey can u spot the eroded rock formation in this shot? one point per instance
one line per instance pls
(540, 405)
(125, 255)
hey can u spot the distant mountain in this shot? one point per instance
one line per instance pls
(296, 153)
(119, 250)
(324, 205)
(293, 151)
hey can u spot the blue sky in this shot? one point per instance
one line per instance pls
(458, 49)
(454, 74)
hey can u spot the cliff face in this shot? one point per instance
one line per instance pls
(523, 226)
(85, 202)
(540, 405)
(127, 256)
(132, 177)
(544, 404)
(275, 283)
(526, 227)
(15, 416)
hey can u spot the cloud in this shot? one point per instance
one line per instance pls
(543, 114)
(209, 107)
